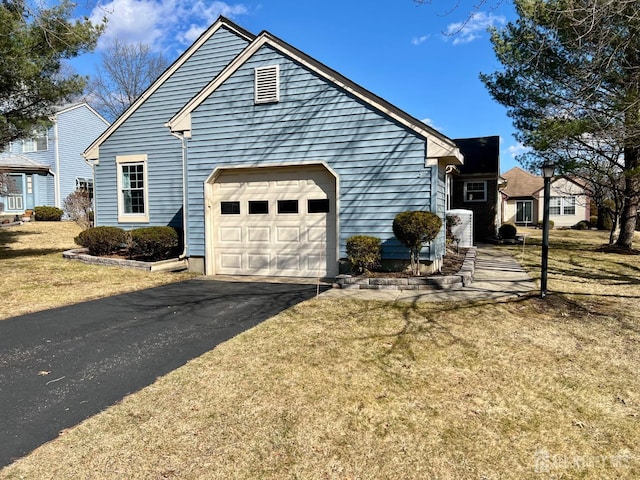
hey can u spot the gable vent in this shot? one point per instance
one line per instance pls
(267, 84)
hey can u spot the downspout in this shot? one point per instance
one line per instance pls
(185, 207)
(56, 179)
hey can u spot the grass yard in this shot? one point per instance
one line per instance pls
(36, 277)
(343, 389)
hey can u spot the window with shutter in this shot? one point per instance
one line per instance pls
(267, 84)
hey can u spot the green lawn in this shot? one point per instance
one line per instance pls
(345, 389)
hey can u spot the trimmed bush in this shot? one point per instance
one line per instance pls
(48, 214)
(153, 243)
(414, 229)
(593, 220)
(551, 224)
(364, 253)
(102, 240)
(507, 231)
(582, 225)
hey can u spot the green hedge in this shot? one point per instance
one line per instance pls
(153, 243)
(48, 214)
(507, 231)
(103, 240)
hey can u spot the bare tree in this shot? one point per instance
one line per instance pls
(125, 72)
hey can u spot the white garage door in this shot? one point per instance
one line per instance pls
(275, 221)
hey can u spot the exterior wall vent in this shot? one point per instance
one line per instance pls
(267, 84)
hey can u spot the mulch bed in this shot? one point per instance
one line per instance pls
(451, 264)
(617, 250)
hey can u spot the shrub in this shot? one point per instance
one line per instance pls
(78, 208)
(48, 214)
(102, 240)
(551, 224)
(507, 231)
(364, 252)
(593, 220)
(452, 221)
(414, 229)
(582, 225)
(153, 243)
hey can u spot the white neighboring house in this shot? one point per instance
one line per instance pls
(48, 166)
(523, 199)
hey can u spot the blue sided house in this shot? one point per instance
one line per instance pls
(267, 160)
(45, 168)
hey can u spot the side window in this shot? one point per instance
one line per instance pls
(132, 188)
(475, 191)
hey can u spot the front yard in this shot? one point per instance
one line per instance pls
(361, 390)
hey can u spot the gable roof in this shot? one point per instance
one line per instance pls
(521, 183)
(481, 155)
(73, 106)
(438, 145)
(91, 153)
(14, 162)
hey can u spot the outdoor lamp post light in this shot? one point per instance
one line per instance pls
(548, 169)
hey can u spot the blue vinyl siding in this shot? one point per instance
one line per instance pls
(77, 128)
(380, 164)
(144, 133)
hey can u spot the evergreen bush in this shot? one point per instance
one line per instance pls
(153, 243)
(48, 214)
(507, 231)
(414, 229)
(102, 240)
(364, 252)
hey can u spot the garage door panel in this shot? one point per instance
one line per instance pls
(230, 234)
(259, 234)
(287, 234)
(293, 242)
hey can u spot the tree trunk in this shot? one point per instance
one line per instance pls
(631, 195)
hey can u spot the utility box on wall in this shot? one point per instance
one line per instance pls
(463, 232)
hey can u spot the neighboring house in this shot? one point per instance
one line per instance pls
(474, 185)
(49, 166)
(267, 159)
(523, 199)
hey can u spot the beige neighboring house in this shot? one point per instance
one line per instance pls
(523, 199)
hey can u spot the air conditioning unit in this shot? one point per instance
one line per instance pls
(463, 232)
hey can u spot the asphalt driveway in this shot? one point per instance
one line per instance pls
(61, 366)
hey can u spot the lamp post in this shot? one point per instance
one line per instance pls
(548, 169)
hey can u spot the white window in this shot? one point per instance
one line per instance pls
(85, 185)
(132, 188)
(267, 84)
(39, 142)
(475, 191)
(560, 206)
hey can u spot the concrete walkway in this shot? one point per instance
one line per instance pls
(498, 276)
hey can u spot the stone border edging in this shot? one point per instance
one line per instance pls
(463, 278)
(171, 265)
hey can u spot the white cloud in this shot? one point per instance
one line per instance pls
(160, 23)
(517, 149)
(431, 123)
(473, 27)
(420, 40)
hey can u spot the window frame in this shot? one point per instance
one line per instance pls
(467, 191)
(525, 203)
(131, 160)
(30, 145)
(266, 84)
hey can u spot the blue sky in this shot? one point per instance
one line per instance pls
(397, 49)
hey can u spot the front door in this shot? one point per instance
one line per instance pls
(524, 211)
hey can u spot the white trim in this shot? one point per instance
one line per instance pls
(438, 146)
(92, 152)
(209, 233)
(132, 217)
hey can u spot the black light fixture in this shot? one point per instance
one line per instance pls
(548, 170)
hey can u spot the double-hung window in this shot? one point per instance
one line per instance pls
(132, 188)
(562, 206)
(475, 191)
(39, 142)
